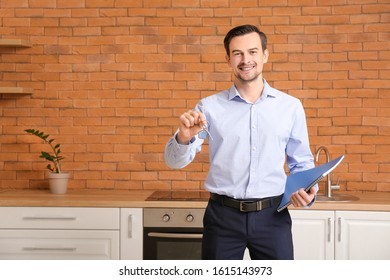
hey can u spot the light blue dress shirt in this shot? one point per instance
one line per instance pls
(251, 142)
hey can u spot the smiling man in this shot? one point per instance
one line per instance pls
(253, 130)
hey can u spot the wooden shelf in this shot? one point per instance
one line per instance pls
(15, 43)
(16, 90)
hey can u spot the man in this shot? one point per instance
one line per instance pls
(252, 130)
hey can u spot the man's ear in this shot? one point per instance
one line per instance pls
(227, 58)
(266, 55)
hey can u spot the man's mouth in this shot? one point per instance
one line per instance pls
(246, 67)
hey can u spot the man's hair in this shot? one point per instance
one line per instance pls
(242, 30)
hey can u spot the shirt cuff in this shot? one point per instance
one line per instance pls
(182, 148)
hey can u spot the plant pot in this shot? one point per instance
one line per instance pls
(58, 182)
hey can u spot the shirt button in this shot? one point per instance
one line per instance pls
(254, 149)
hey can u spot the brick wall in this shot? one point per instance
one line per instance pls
(111, 77)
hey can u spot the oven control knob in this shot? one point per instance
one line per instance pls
(166, 218)
(189, 218)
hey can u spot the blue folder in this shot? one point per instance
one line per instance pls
(306, 179)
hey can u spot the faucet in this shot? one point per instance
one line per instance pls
(329, 186)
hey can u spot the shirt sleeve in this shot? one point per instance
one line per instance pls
(179, 156)
(299, 156)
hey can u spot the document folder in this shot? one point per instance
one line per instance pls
(306, 179)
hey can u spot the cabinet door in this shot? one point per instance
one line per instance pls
(313, 234)
(131, 234)
(59, 218)
(59, 244)
(362, 235)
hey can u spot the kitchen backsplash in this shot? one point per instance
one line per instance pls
(110, 78)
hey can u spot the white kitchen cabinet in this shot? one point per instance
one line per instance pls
(313, 234)
(324, 235)
(59, 244)
(59, 218)
(362, 235)
(131, 234)
(59, 233)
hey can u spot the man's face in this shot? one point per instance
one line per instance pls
(247, 57)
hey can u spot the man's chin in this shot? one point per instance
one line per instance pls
(248, 79)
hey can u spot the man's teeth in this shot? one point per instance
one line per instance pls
(246, 68)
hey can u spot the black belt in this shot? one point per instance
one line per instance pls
(246, 205)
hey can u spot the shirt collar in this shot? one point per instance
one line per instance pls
(268, 91)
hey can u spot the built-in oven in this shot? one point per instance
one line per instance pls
(172, 234)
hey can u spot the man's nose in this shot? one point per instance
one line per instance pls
(245, 58)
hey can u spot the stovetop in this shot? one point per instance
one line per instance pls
(179, 196)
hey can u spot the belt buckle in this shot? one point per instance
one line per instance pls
(242, 204)
(247, 203)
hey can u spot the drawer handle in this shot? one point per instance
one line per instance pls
(49, 218)
(130, 226)
(339, 234)
(70, 249)
(176, 235)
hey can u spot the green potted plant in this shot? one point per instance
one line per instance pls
(58, 180)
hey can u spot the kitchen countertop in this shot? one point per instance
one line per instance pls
(141, 199)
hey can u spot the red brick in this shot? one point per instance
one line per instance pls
(274, 20)
(335, 75)
(99, 3)
(347, 139)
(334, 130)
(317, 48)
(358, 149)
(369, 9)
(376, 177)
(347, 9)
(350, 121)
(319, 29)
(100, 184)
(361, 186)
(338, 47)
(187, 185)
(333, 38)
(383, 121)
(378, 140)
(156, 185)
(317, 84)
(376, 84)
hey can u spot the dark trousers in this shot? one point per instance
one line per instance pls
(227, 232)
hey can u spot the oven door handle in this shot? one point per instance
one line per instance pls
(176, 235)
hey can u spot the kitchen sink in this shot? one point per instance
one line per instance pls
(337, 198)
